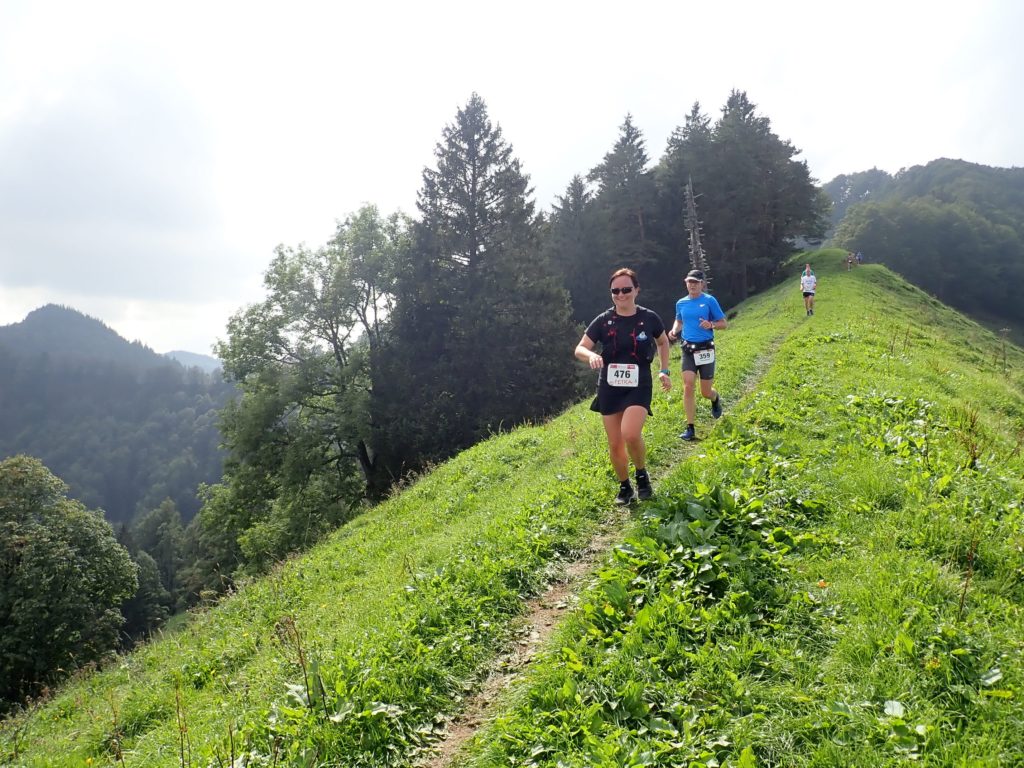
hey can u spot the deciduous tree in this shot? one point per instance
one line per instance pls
(63, 577)
(298, 461)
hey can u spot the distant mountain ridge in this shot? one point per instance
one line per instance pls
(995, 193)
(953, 228)
(195, 360)
(66, 333)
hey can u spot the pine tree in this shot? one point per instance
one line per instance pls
(571, 243)
(625, 193)
(686, 156)
(481, 326)
(765, 197)
(753, 195)
(626, 203)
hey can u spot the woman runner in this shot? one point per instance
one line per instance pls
(629, 335)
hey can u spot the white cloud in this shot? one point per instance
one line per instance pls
(153, 156)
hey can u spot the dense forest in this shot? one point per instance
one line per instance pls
(124, 427)
(954, 228)
(94, 431)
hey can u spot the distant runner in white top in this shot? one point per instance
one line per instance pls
(808, 285)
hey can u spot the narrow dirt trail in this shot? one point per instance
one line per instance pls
(544, 612)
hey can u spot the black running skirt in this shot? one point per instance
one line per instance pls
(611, 400)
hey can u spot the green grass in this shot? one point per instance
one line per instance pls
(792, 597)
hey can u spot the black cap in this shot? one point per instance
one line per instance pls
(695, 274)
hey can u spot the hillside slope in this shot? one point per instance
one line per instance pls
(873, 469)
(955, 229)
(837, 581)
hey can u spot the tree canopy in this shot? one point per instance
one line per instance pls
(753, 198)
(62, 579)
(481, 321)
(956, 229)
(299, 460)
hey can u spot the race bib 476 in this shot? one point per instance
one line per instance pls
(623, 374)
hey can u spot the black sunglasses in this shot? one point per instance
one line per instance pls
(626, 290)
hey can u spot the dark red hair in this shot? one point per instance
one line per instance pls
(624, 272)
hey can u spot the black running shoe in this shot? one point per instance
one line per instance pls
(626, 493)
(689, 434)
(643, 485)
(716, 407)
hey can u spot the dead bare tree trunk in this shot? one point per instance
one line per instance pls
(698, 259)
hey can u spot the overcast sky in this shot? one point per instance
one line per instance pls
(153, 155)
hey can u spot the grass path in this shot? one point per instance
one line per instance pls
(544, 611)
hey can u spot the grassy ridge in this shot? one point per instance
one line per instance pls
(837, 581)
(348, 655)
(351, 653)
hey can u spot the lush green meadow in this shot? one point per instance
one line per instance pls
(833, 577)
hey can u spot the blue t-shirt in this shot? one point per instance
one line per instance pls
(691, 311)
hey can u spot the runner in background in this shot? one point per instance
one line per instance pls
(808, 285)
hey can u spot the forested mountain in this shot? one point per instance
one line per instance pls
(849, 189)
(954, 228)
(66, 334)
(124, 427)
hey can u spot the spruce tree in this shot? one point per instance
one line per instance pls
(686, 156)
(571, 243)
(481, 336)
(626, 203)
(753, 195)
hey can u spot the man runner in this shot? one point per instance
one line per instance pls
(698, 315)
